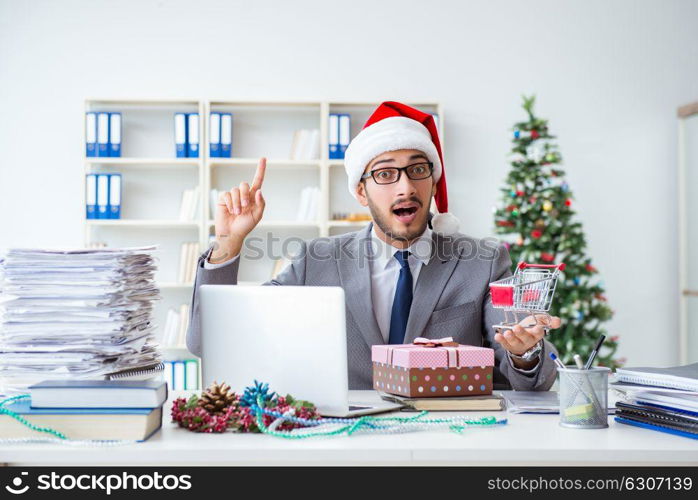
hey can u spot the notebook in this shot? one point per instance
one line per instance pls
(677, 377)
(133, 424)
(655, 427)
(659, 414)
(143, 373)
(98, 394)
(495, 402)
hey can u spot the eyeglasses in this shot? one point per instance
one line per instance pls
(390, 175)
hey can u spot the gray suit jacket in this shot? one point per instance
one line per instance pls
(450, 299)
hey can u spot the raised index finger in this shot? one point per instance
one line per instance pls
(259, 174)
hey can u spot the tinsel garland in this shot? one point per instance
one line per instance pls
(258, 410)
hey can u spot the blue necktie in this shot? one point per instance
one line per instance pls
(402, 301)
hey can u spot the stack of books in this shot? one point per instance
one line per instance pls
(176, 324)
(188, 257)
(660, 399)
(305, 145)
(189, 205)
(308, 204)
(490, 402)
(103, 410)
(85, 313)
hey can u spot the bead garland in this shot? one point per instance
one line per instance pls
(383, 425)
(24, 421)
(59, 438)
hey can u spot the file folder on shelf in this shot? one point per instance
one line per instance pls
(90, 134)
(226, 135)
(91, 196)
(115, 196)
(180, 132)
(102, 196)
(115, 134)
(191, 375)
(344, 134)
(333, 138)
(214, 133)
(103, 134)
(193, 135)
(179, 376)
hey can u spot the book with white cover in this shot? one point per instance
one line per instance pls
(676, 377)
(98, 394)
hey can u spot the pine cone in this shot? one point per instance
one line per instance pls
(217, 398)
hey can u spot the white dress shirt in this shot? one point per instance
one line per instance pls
(385, 271)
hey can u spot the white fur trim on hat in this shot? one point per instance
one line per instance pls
(446, 224)
(388, 134)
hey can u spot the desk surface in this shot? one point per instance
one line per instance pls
(524, 440)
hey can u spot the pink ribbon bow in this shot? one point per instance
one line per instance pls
(442, 342)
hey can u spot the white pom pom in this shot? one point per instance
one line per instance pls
(446, 224)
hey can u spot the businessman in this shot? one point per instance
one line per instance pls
(408, 273)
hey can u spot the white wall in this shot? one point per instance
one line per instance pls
(608, 75)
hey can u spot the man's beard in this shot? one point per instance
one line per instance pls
(384, 225)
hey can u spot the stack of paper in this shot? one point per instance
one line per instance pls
(75, 314)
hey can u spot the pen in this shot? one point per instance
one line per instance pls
(557, 360)
(578, 361)
(594, 352)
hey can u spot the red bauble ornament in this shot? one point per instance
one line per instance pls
(519, 193)
(504, 223)
(536, 233)
(568, 202)
(547, 257)
(534, 134)
(590, 268)
(511, 207)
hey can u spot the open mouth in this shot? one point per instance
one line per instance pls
(406, 212)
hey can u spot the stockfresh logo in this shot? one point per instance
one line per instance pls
(17, 486)
(107, 483)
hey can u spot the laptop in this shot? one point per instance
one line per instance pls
(293, 337)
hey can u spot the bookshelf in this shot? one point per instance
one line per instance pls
(153, 181)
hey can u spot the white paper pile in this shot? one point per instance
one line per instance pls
(75, 313)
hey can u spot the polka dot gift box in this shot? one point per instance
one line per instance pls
(432, 368)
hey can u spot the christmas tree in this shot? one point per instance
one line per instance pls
(537, 214)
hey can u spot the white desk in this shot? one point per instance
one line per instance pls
(525, 440)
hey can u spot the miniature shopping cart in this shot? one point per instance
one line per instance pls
(529, 292)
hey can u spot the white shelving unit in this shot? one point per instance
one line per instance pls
(153, 178)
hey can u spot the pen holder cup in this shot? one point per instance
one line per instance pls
(584, 397)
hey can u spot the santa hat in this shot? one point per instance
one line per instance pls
(394, 126)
